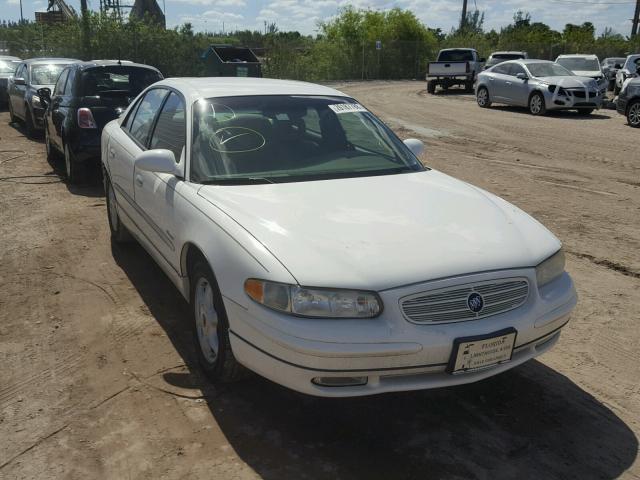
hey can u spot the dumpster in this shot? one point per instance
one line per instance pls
(231, 61)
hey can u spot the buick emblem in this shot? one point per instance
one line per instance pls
(475, 302)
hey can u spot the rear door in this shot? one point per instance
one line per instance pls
(499, 76)
(17, 93)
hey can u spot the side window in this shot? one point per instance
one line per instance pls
(145, 114)
(20, 71)
(312, 121)
(515, 69)
(68, 89)
(501, 68)
(59, 88)
(362, 133)
(170, 130)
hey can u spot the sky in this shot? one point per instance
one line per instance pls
(304, 15)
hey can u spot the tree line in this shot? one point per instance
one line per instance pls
(356, 44)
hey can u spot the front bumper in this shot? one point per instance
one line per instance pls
(572, 101)
(394, 354)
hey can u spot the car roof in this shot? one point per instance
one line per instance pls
(207, 87)
(9, 57)
(31, 61)
(579, 55)
(111, 63)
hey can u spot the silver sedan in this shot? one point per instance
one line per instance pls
(539, 85)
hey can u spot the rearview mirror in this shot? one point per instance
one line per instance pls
(19, 81)
(522, 76)
(158, 161)
(416, 146)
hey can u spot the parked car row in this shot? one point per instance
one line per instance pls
(254, 196)
(71, 101)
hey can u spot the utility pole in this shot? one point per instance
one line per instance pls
(21, 17)
(636, 19)
(463, 20)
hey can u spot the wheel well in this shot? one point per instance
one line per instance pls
(190, 255)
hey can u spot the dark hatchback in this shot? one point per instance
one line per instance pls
(86, 97)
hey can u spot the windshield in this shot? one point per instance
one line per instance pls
(115, 80)
(455, 56)
(8, 66)
(577, 64)
(291, 138)
(42, 74)
(613, 61)
(547, 70)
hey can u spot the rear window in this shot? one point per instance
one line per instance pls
(507, 56)
(456, 56)
(117, 80)
(8, 66)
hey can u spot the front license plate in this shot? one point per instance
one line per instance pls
(476, 353)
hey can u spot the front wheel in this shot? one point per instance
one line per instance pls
(52, 153)
(536, 104)
(12, 116)
(633, 114)
(211, 327)
(482, 97)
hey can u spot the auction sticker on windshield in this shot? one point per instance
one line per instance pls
(347, 107)
(476, 353)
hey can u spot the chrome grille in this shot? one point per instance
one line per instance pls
(450, 304)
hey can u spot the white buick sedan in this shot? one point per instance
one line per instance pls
(316, 250)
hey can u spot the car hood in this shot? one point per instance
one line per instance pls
(384, 231)
(568, 81)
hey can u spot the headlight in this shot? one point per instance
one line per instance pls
(550, 269)
(313, 302)
(35, 100)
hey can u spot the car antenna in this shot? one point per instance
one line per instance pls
(119, 61)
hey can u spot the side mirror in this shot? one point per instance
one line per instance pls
(19, 81)
(158, 160)
(416, 146)
(522, 76)
(44, 94)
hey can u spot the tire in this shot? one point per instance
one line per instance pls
(536, 104)
(431, 87)
(482, 97)
(52, 154)
(633, 114)
(211, 327)
(72, 169)
(119, 233)
(29, 127)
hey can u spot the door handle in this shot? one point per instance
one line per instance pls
(112, 152)
(139, 181)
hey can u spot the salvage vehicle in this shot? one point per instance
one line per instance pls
(7, 67)
(585, 66)
(628, 102)
(610, 67)
(30, 76)
(629, 69)
(316, 250)
(454, 66)
(539, 85)
(498, 57)
(86, 97)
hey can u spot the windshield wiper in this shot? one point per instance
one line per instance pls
(237, 181)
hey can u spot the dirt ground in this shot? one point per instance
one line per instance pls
(98, 379)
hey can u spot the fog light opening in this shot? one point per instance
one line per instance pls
(339, 381)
